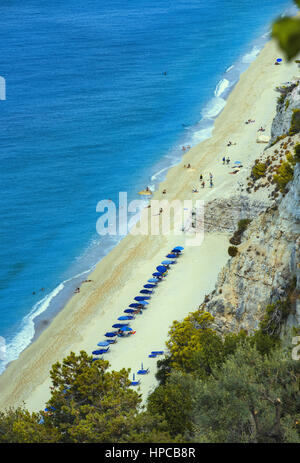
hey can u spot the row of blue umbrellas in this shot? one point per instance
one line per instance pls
(140, 303)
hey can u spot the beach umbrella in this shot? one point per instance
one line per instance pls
(171, 256)
(278, 60)
(157, 274)
(149, 286)
(100, 351)
(137, 305)
(237, 162)
(146, 291)
(179, 248)
(49, 409)
(153, 280)
(168, 262)
(103, 343)
(141, 298)
(111, 334)
(129, 311)
(119, 325)
(126, 328)
(126, 317)
(161, 269)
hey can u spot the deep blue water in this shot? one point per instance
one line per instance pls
(89, 112)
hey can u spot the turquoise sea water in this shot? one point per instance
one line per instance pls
(89, 112)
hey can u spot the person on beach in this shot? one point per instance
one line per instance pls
(164, 192)
(224, 161)
(210, 175)
(203, 184)
(77, 290)
(227, 161)
(195, 190)
(188, 166)
(201, 177)
(210, 183)
(160, 210)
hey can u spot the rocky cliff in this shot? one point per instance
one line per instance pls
(267, 262)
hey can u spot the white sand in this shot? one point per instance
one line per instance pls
(119, 277)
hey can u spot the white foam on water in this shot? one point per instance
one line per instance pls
(154, 176)
(221, 87)
(214, 107)
(249, 57)
(202, 134)
(230, 67)
(27, 330)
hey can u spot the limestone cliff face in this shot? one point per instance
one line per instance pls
(288, 101)
(260, 274)
(269, 254)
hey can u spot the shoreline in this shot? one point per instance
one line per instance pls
(41, 318)
(135, 257)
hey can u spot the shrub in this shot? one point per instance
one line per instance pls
(297, 153)
(295, 122)
(281, 98)
(259, 170)
(232, 251)
(243, 224)
(277, 313)
(287, 103)
(284, 175)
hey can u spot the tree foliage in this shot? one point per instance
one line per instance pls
(174, 400)
(287, 33)
(21, 426)
(185, 339)
(251, 398)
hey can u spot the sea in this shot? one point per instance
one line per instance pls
(98, 97)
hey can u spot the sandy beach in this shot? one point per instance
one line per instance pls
(120, 276)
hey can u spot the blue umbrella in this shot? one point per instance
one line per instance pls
(179, 248)
(136, 305)
(168, 262)
(149, 286)
(278, 60)
(161, 268)
(111, 334)
(129, 310)
(153, 280)
(237, 162)
(49, 409)
(119, 325)
(103, 344)
(146, 291)
(156, 274)
(100, 351)
(125, 317)
(141, 298)
(171, 256)
(126, 328)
